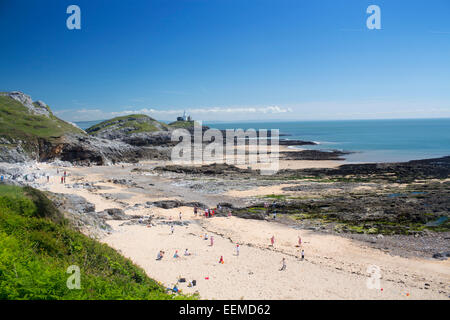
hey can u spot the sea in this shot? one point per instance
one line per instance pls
(368, 140)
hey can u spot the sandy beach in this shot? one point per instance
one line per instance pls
(334, 267)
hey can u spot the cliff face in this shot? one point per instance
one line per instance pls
(30, 131)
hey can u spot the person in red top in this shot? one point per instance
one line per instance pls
(272, 240)
(221, 259)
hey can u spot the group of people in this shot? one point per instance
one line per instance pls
(283, 261)
(209, 213)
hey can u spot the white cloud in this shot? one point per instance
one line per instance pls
(97, 114)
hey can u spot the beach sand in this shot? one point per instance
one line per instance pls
(334, 268)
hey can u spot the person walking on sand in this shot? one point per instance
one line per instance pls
(272, 240)
(237, 250)
(180, 215)
(171, 228)
(195, 210)
(229, 214)
(212, 241)
(62, 179)
(303, 254)
(299, 241)
(48, 178)
(283, 264)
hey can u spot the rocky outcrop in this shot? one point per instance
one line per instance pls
(85, 150)
(37, 107)
(81, 214)
(170, 204)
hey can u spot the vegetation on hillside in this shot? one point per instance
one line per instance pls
(133, 123)
(17, 123)
(37, 245)
(182, 124)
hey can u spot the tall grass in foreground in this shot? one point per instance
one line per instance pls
(37, 245)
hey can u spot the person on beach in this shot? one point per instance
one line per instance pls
(180, 215)
(229, 214)
(221, 260)
(48, 178)
(206, 236)
(212, 241)
(237, 250)
(283, 264)
(299, 241)
(1, 178)
(160, 255)
(175, 255)
(171, 228)
(62, 179)
(303, 254)
(206, 213)
(274, 215)
(272, 240)
(186, 252)
(195, 210)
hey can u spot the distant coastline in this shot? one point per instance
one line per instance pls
(394, 140)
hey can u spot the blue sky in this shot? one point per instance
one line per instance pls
(230, 59)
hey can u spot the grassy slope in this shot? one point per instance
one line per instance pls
(140, 123)
(182, 124)
(17, 123)
(37, 246)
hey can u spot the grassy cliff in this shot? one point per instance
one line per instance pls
(135, 123)
(17, 123)
(182, 124)
(37, 245)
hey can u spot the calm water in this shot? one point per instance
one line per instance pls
(372, 140)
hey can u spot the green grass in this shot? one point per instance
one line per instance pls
(16, 123)
(137, 122)
(37, 245)
(182, 124)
